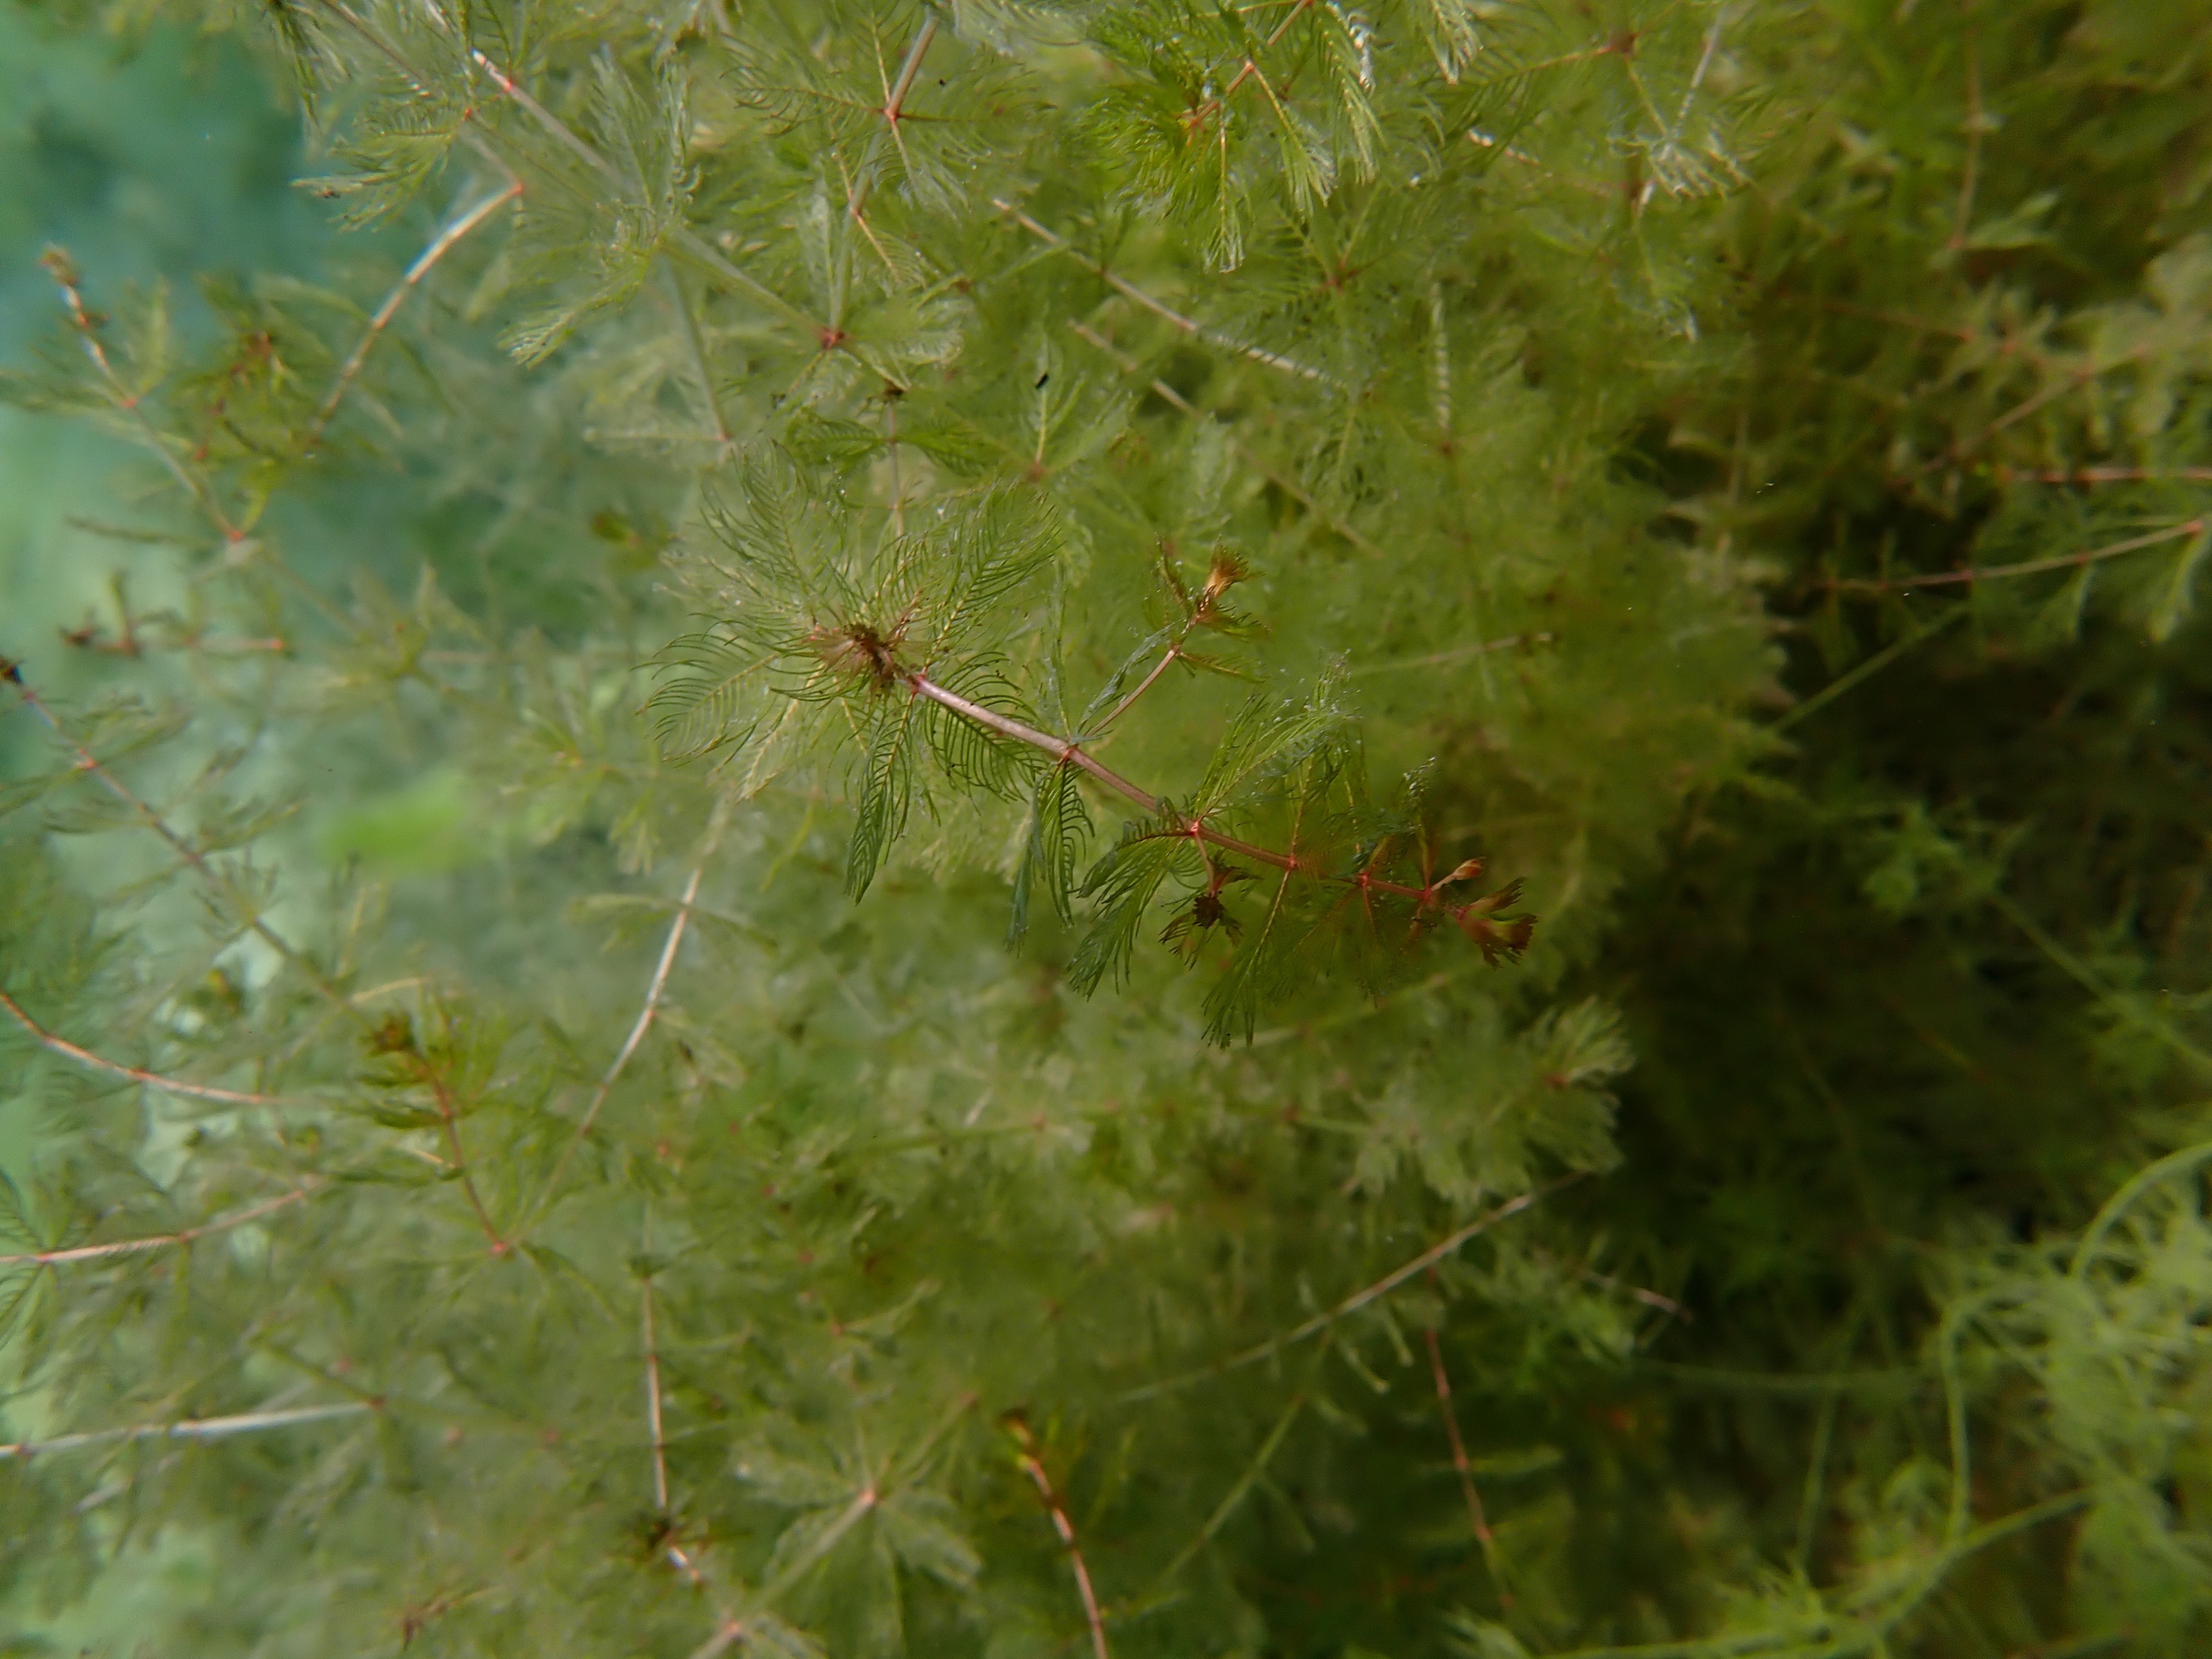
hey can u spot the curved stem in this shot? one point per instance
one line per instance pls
(85, 1057)
(252, 1212)
(1070, 751)
(2195, 527)
(246, 911)
(409, 280)
(203, 1428)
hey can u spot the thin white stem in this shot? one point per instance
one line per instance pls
(1236, 1493)
(1351, 1305)
(1129, 291)
(306, 1188)
(653, 1385)
(203, 1428)
(719, 1643)
(440, 246)
(652, 995)
(695, 340)
(91, 1061)
(1457, 654)
(1282, 480)
(87, 762)
(647, 1014)
(2197, 526)
(799, 1566)
(1030, 1466)
(892, 451)
(894, 106)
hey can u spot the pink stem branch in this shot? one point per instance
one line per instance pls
(440, 246)
(85, 1057)
(1060, 1524)
(1070, 751)
(138, 1246)
(1475, 1514)
(65, 277)
(2031, 567)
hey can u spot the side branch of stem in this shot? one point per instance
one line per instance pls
(203, 1428)
(441, 245)
(1070, 751)
(246, 912)
(2195, 527)
(91, 1061)
(307, 1190)
(1175, 399)
(655, 991)
(1032, 1466)
(1448, 1245)
(1129, 291)
(1477, 1517)
(130, 402)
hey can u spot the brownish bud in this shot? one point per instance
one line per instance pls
(61, 267)
(1226, 571)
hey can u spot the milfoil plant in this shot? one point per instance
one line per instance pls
(770, 898)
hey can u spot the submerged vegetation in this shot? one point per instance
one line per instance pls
(1127, 828)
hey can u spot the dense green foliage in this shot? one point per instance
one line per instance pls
(787, 913)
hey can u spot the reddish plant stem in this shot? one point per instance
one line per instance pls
(2084, 476)
(1029, 1464)
(138, 1246)
(894, 104)
(2033, 566)
(85, 1057)
(1069, 752)
(1475, 1513)
(449, 1118)
(1066, 750)
(58, 267)
(1166, 662)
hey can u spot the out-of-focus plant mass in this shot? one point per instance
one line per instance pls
(1113, 827)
